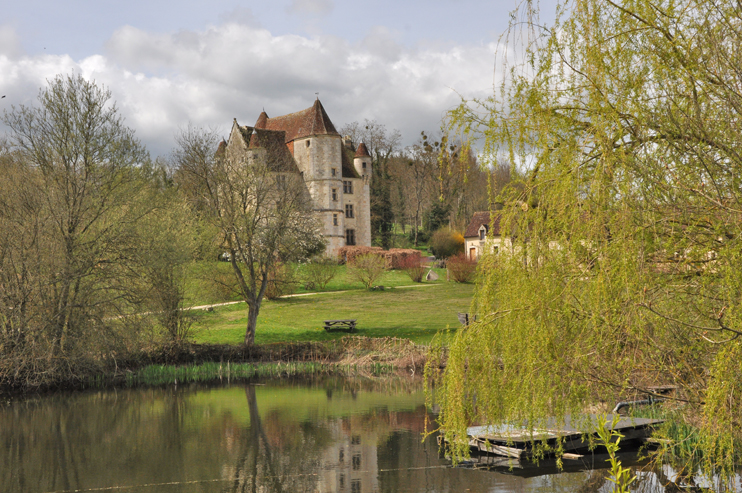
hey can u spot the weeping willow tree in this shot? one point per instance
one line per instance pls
(623, 262)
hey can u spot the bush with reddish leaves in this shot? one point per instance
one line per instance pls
(396, 257)
(413, 267)
(347, 254)
(461, 268)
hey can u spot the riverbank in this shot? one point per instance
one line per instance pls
(202, 362)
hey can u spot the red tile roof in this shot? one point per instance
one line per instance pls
(262, 119)
(482, 219)
(278, 155)
(311, 121)
(362, 151)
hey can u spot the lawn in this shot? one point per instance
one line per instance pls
(415, 313)
(206, 280)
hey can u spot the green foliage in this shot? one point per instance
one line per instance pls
(382, 214)
(446, 243)
(437, 216)
(627, 229)
(610, 438)
(166, 251)
(422, 236)
(319, 271)
(367, 269)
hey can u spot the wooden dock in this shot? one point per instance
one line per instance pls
(515, 441)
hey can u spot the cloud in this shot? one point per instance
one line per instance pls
(161, 82)
(316, 7)
(10, 42)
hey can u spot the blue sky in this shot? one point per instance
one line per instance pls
(403, 63)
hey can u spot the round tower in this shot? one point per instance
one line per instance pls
(362, 161)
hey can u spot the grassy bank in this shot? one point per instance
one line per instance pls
(346, 356)
(414, 313)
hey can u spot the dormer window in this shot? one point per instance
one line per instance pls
(309, 143)
(482, 232)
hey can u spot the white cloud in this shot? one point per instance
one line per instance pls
(163, 81)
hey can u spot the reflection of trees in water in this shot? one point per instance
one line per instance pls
(120, 438)
(284, 461)
(77, 441)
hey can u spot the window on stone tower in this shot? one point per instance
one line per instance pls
(347, 186)
(350, 237)
(348, 210)
(334, 219)
(363, 164)
(334, 172)
(334, 194)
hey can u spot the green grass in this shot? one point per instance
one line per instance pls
(201, 288)
(415, 313)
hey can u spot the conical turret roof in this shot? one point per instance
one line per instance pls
(362, 151)
(311, 121)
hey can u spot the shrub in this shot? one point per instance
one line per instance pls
(222, 284)
(413, 266)
(366, 269)
(319, 271)
(422, 236)
(461, 268)
(395, 257)
(446, 243)
(281, 281)
(347, 254)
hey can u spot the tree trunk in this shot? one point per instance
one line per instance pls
(252, 322)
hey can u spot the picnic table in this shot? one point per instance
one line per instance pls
(348, 325)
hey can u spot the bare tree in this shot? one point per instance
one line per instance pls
(262, 215)
(73, 217)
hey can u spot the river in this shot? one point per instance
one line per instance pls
(321, 434)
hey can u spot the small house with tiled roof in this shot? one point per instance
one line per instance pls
(336, 173)
(482, 235)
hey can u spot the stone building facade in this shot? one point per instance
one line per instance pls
(337, 174)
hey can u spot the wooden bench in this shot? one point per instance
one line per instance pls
(344, 325)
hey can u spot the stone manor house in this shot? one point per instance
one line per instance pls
(337, 176)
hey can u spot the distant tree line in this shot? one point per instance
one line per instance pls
(432, 184)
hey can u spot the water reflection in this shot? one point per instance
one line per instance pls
(325, 435)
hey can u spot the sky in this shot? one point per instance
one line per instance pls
(168, 64)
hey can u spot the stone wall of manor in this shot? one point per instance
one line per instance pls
(319, 159)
